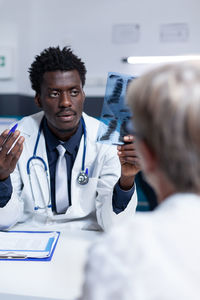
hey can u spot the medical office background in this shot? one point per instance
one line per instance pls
(103, 33)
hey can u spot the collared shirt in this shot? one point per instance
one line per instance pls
(121, 198)
(71, 146)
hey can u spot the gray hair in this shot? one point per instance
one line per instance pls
(166, 114)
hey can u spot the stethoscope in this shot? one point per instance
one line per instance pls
(82, 178)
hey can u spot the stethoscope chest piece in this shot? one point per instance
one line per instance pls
(83, 178)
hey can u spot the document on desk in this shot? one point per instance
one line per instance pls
(28, 245)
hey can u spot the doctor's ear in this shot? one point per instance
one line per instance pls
(37, 100)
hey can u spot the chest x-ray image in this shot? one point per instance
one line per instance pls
(115, 115)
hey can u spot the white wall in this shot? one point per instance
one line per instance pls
(29, 26)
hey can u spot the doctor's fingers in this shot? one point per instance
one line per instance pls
(8, 163)
(129, 138)
(128, 153)
(14, 154)
(129, 146)
(133, 160)
(6, 141)
(8, 155)
(4, 135)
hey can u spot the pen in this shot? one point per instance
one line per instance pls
(12, 130)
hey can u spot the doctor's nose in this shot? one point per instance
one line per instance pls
(65, 100)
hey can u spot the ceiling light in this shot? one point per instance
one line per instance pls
(159, 59)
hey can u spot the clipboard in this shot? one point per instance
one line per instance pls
(26, 246)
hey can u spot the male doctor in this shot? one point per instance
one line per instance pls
(98, 179)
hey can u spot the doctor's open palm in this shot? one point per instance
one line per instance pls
(10, 151)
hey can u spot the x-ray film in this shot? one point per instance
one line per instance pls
(115, 116)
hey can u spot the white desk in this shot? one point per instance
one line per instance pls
(60, 278)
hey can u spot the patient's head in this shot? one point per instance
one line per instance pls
(166, 116)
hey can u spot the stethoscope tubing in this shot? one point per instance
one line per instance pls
(35, 157)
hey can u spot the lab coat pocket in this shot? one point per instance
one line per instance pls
(88, 194)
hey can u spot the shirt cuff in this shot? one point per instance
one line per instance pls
(5, 191)
(121, 198)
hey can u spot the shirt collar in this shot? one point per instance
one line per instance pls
(52, 141)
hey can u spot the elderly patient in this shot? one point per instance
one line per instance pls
(156, 255)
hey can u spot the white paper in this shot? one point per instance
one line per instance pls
(27, 244)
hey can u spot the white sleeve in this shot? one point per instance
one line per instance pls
(110, 174)
(112, 269)
(97, 276)
(10, 214)
(105, 274)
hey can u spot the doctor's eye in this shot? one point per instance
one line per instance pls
(54, 94)
(74, 92)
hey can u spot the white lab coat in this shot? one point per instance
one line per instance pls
(155, 256)
(91, 203)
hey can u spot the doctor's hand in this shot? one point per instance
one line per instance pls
(130, 164)
(9, 158)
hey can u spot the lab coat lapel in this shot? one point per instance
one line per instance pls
(84, 191)
(38, 176)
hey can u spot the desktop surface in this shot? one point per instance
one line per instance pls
(60, 278)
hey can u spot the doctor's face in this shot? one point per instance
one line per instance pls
(62, 100)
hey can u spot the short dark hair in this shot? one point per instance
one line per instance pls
(55, 59)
